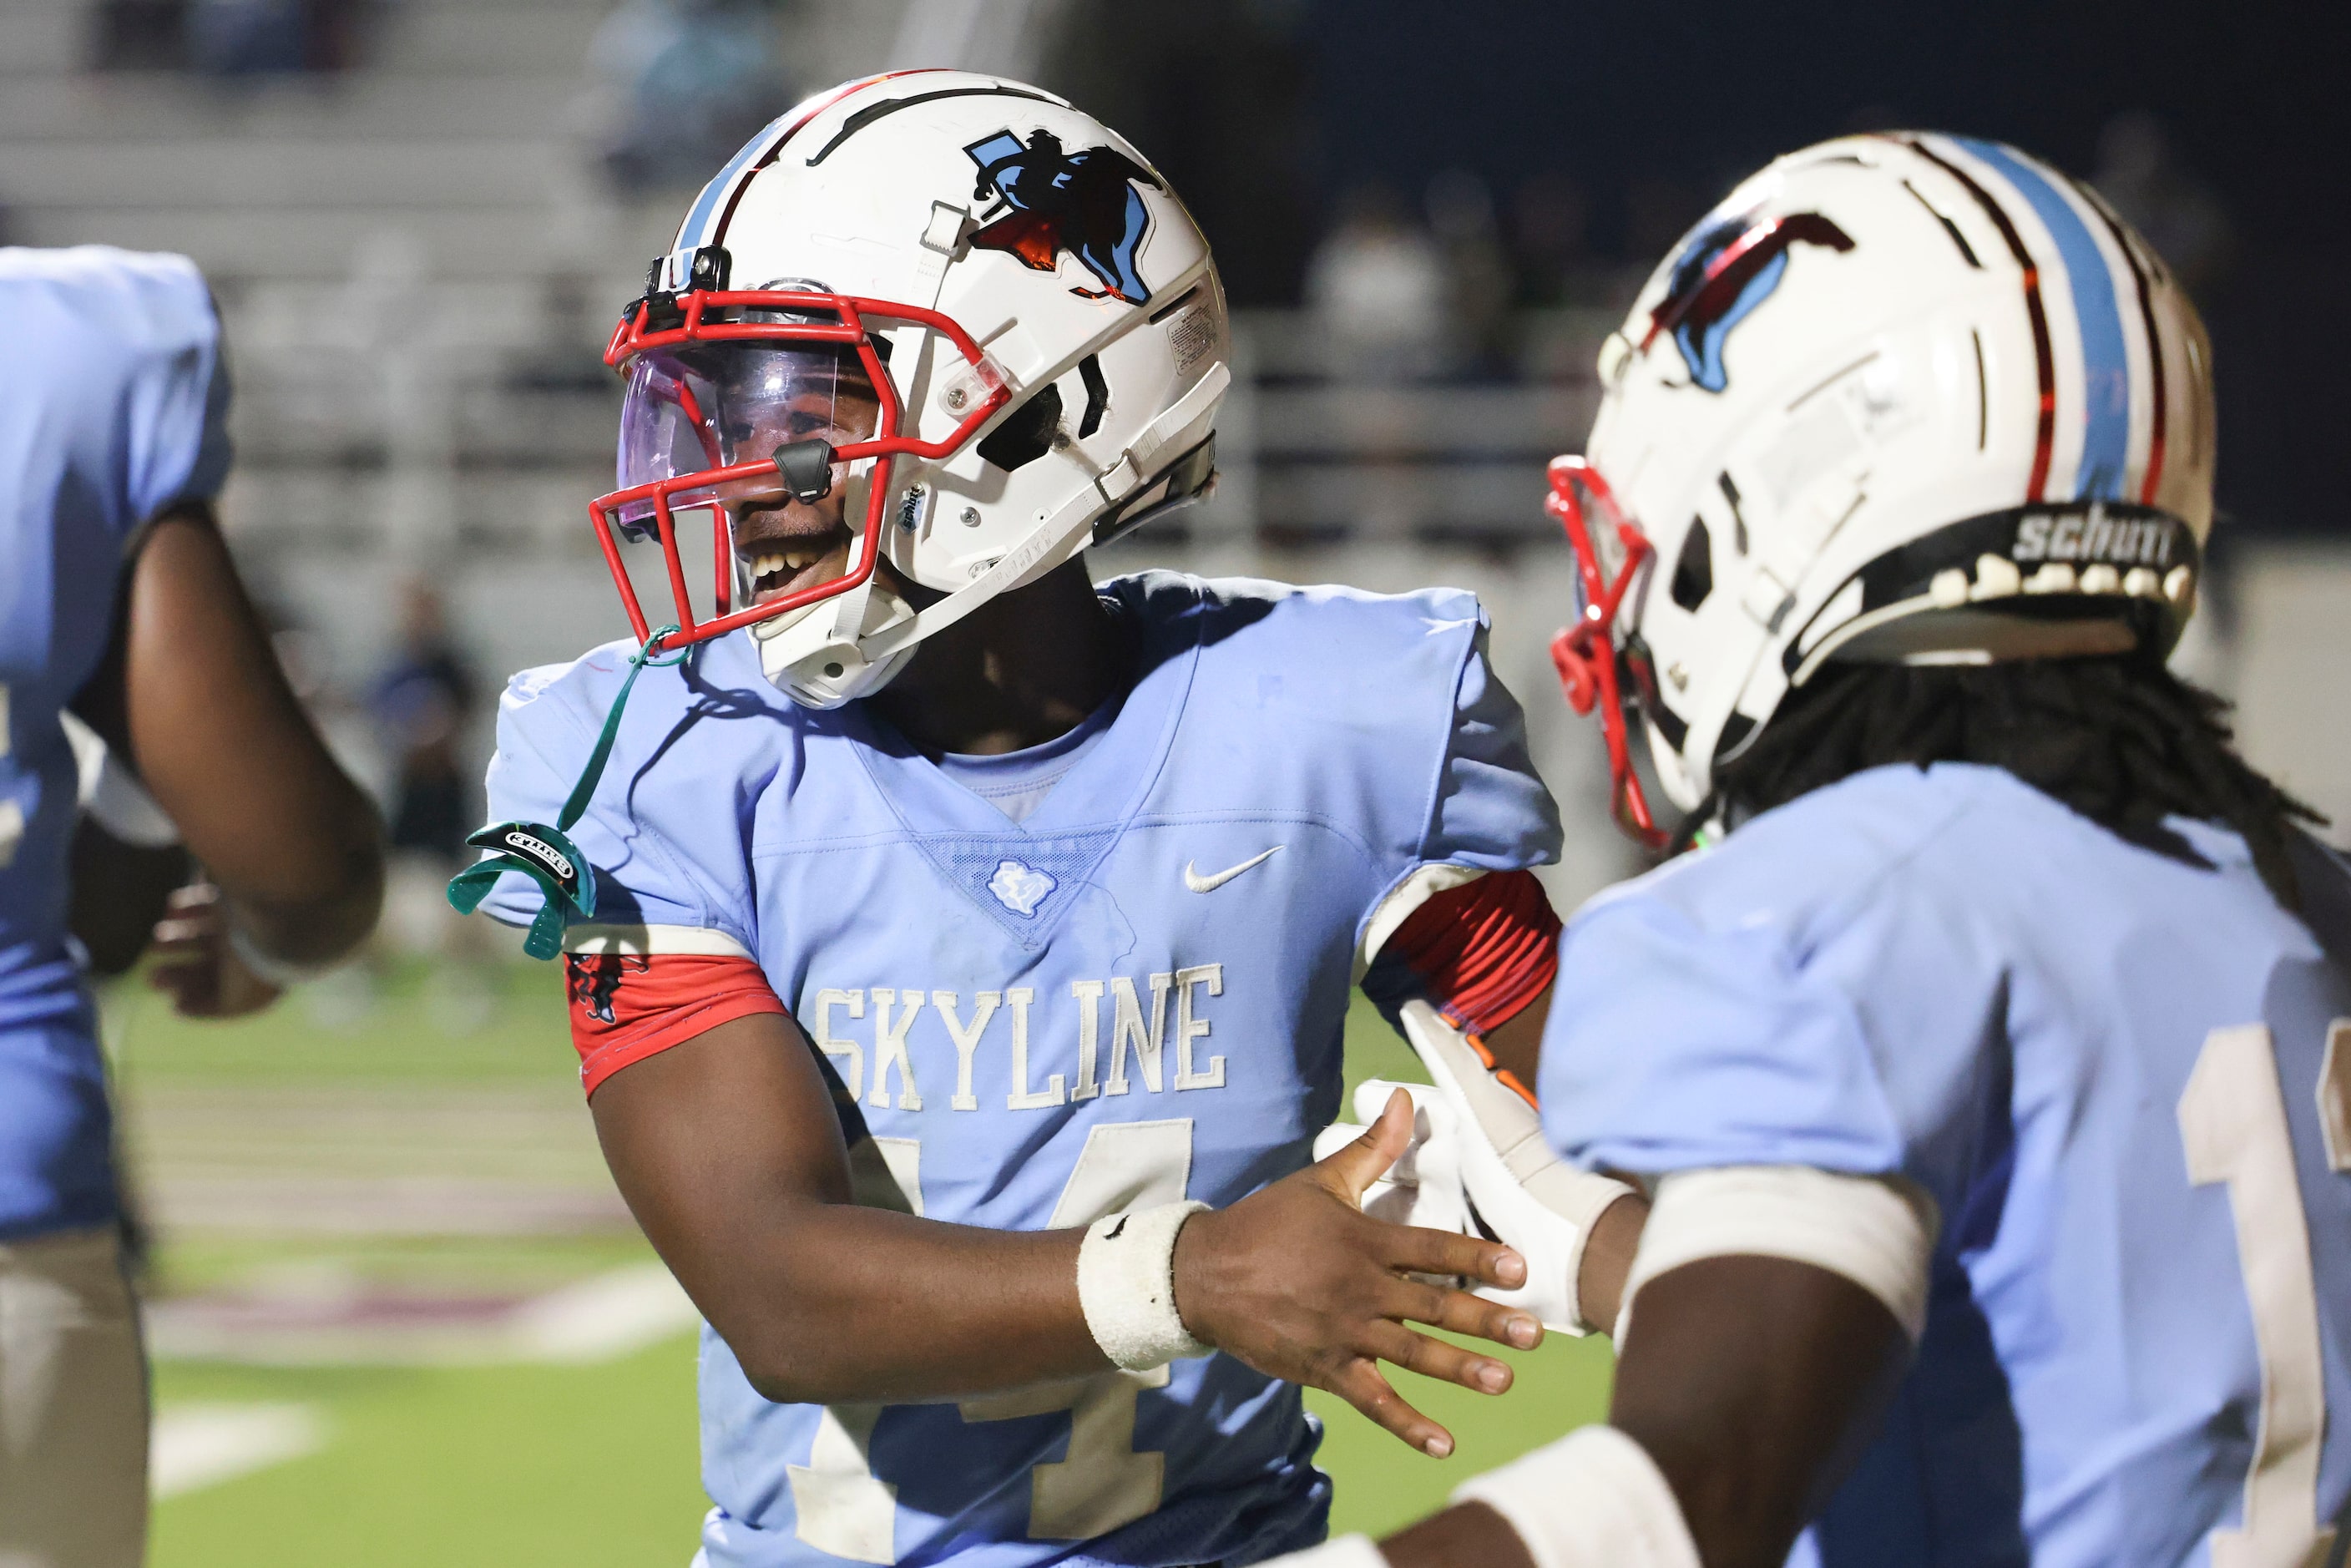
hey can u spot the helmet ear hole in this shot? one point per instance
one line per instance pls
(1027, 432)
(1090, 371)
(1694, 569)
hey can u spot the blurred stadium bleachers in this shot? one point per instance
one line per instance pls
(418, 259)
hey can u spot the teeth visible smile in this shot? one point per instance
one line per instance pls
(786, 563)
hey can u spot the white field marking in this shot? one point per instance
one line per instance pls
(197, 1446)
(600, 1318)
(604, 1317)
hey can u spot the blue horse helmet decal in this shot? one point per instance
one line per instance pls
(1722, 274)
(1050, 201)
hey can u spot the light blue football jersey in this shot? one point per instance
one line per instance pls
(1133, 995)
(2125, 1080)
(112, 407)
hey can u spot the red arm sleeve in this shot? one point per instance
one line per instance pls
(625, 1007)
(1482, 951)
(1478, 952)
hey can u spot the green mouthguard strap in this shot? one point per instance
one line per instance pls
(547, 854)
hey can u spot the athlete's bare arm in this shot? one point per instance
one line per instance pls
(206, 716)
(1754, 1383)
(729, 1153)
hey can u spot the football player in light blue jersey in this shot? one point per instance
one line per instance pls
(125, 635)
(959, 953)
(1992, 1071)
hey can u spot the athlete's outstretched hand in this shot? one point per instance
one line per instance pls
(1301, 1284)
(196, 966)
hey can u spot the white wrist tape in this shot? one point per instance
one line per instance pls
(1876, 1231)
(1592, 1499)
(1126, 1287)
(1339, 1551)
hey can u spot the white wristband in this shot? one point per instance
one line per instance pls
(1339, 1551)
(282, 973)
(1876, 1231)
(1126, 1287)
(1592, 1499)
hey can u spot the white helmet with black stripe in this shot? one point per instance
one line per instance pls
(925, 339)
(1906, 397)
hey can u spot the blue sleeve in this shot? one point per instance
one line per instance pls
(1790, 998)
(176, 406)
(1490, 807)
(113, 405)
(1672, 1048)
(548, 719)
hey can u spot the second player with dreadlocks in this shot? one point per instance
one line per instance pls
(1989, 1067)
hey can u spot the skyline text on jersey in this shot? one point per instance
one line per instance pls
(1067, 1046)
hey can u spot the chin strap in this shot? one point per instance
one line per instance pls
(547, 854)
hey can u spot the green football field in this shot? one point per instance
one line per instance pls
(367, 1115)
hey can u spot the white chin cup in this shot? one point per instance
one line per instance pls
(815, 655)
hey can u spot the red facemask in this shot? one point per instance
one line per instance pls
(1610, 551)
(728, 395)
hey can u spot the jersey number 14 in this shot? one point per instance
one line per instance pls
(1105, 1481)
(2232, 1121)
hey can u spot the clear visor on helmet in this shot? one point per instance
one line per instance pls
(701, 406)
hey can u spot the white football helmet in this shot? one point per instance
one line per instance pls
(932, 319)
(1909, 397)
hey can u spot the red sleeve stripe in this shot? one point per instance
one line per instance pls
(1482, 951)
(625, 1007)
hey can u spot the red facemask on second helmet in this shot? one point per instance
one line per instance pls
(1610, 552)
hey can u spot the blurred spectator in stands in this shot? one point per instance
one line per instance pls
(1478, 280)
(229, 39)
(247, 38)
(1378, 284)
(680, 84)
(421, 703)
(139, 35)
(2178, 213)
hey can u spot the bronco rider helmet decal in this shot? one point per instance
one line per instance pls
(943, 376)
(921, 342)
(1932, 402)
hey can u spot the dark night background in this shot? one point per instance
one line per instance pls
(1270, 114)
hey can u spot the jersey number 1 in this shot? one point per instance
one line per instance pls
(2232, 1123)
(1104, 1481)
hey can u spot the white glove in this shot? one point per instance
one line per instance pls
(1515, 1189)
(1424, 1187)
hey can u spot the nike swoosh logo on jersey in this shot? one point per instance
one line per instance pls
(1198, 884)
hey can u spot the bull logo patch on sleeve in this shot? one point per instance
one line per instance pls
(1050, 201)
(1722, 275)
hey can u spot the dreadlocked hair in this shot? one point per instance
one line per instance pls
(2120, 740)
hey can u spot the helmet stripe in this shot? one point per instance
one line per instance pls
(2105, 364)
(2158, 371)
(706, 221)
(2043, 365)
(697, 217)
